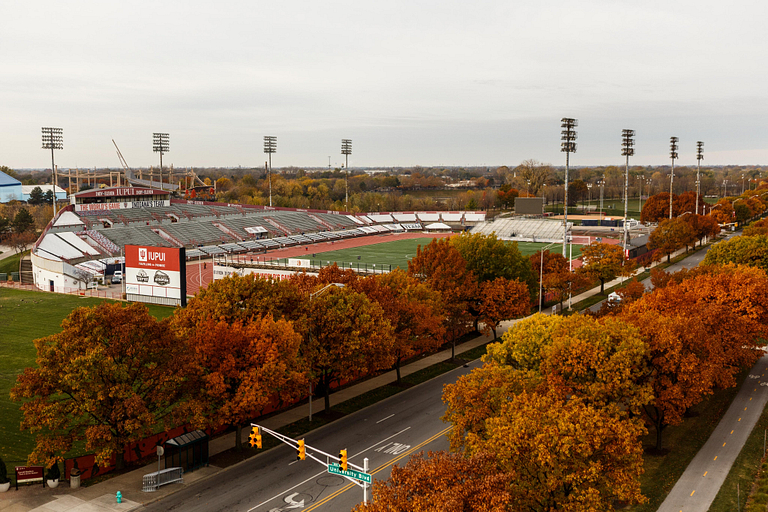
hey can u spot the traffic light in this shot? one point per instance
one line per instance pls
(343, 460)
(301, 451)
(255, 437)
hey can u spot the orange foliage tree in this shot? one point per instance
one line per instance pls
(502, 299)
(242, 367)
(412, 308)
(347, 335)
(441, 267)
(443, 481)
(671, 235)
(700, 330)
(759, 227)
(656, 208)
(723, 211)
(110, 377)
(702, 226)
(603, 262)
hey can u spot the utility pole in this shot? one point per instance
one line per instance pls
(53, 138)
(699, 157)
(673, 156)
(567, 146)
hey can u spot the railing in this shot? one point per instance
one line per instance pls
(154, 481)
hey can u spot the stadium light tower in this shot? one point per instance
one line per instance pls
(346, 150)
(699, 157)
(160, 145)
(673, 156)
(270, 146)
(53, 138)
(627, 150)
(567, 146)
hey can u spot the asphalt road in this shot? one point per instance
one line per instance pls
(690, 262)
(386, 433)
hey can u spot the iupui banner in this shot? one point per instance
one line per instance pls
(156, 274)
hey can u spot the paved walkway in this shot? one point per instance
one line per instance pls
(101, 497)
(701, 481)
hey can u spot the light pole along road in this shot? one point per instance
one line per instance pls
(386, 433)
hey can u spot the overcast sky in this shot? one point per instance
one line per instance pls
(410, 82)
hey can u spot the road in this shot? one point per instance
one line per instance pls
(691, 261)
(386, 433)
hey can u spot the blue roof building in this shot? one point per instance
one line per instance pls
(10, 188)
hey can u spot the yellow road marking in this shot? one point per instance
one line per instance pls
(693, 492)
(739, 419)
(723, 444)
(731, 431)
(705, 473)
(745, 407)
(750, 398)
(380, 468)
(715, 457)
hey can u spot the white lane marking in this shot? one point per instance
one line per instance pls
(384, 419)
(323, 472)
(393, 448)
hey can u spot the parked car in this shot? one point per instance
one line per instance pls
(117, 277)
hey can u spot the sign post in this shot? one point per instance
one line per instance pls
(27, 474)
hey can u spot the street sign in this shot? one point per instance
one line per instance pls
(351, 473)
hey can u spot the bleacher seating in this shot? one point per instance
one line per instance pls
(522, 228)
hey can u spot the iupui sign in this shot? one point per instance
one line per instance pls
(156, 274)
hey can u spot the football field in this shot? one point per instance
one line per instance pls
(398, 253)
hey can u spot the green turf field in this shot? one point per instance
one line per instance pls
(24, 317)
(398, 253)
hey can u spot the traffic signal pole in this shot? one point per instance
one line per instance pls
(304, 449)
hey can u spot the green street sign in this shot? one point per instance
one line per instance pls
(351, 473)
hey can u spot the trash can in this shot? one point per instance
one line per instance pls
(3, 276)
(15, 276)
(74, 478)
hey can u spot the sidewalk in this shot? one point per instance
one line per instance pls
(101, 497)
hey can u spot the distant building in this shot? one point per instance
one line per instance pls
(10, 188)
(61, 194)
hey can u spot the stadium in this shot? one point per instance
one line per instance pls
(86, 240)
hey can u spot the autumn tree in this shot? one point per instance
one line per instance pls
(240, 298)
(686, 202)
(604, 262)
(702, 226)
(242, 366)
(741, 250)
(450, 480)
(441, 266)
(506, 195)
(347, 335)
(700, 331)
(759, 227)
(20, 241)
(656, 208)
(563, 453)
(671, 235)
(534, 174)
(110, 377)
(489, 258)
(633, 291)
(723, 211)
(502, 299)
(412, 308)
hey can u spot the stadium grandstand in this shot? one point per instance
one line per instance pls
(91, 232)
(523, 229)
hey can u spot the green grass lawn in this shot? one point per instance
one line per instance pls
(11, 263)
(24, 317)
(398, 253)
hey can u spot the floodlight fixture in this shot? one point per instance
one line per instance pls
(567, 146)
(160, 145)
(270, 146)
(699, 158)
(53, 138)
(673, 155)
(346, 150)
